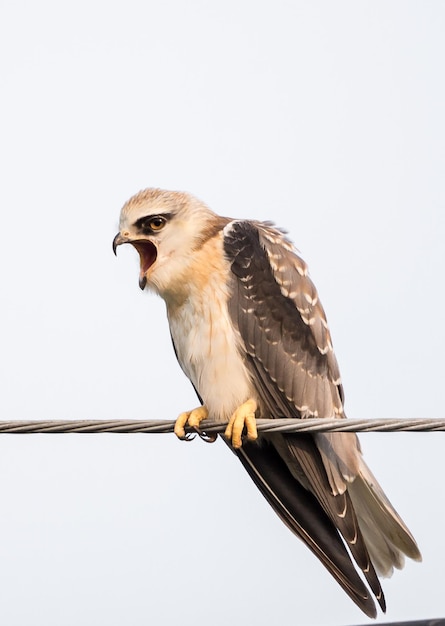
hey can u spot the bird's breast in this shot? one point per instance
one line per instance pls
(209, 349)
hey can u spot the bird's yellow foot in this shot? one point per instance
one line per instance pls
(192, 418)
(244, 416)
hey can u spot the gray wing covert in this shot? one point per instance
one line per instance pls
(276, 309)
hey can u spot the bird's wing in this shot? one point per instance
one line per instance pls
(283, 326)
(275, 307)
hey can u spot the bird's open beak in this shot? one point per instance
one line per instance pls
(147, 254)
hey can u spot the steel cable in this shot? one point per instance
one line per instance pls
(279, 425)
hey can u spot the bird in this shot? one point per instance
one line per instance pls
(250, 333)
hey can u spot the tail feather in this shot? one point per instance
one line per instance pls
(339, 507)
(302, 513)
(290, 474)
(386, 536)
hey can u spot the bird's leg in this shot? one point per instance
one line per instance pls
(192, 418)
(244, 416)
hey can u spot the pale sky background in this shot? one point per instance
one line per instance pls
(327, 117)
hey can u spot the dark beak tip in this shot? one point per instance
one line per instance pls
(115, 244)
(142, 282)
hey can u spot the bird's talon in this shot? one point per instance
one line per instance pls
(192, 419)
(204, 436)
(185, 436)
(208, 438)
(244, 417)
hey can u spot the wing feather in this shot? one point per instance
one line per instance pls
(298, 361)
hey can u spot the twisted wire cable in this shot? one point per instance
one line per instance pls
(279, 425)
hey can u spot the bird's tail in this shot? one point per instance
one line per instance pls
(302, 513)
(386, 536)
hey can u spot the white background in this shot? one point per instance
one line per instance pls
(327, 117)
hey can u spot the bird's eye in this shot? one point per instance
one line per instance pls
(157, 222)
(150, 224)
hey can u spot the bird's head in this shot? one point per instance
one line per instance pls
(166, 228)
